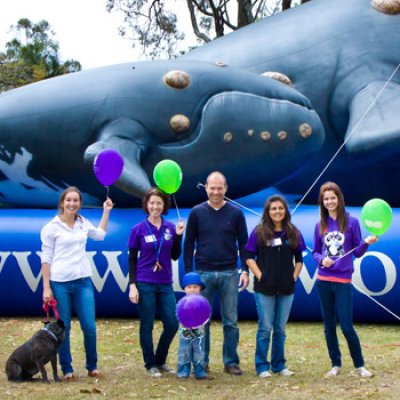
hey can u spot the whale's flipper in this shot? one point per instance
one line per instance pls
(130, 139)
(375, 133)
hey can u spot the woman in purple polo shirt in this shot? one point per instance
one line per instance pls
(275, 258)
(337, 237)
(150, 278)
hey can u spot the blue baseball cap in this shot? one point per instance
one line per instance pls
(192, 278)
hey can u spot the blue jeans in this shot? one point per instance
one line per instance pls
(273, 314)
(191, 350)
(338, 297)
(77, 295)
(160, 297)
(224, 283)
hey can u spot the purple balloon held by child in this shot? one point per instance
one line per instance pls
(193, 311)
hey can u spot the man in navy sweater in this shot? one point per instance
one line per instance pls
(216, 229)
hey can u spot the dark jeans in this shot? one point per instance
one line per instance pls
(162, 298)
(338, 298)
(224, 283)
(77, 294)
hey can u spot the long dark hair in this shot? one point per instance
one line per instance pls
(342, 219)
(265, 230)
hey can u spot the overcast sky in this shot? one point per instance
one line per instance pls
(84, 29)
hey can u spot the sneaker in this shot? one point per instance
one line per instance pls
(286, 372)
(265, 374)
(154, 372)
(165, 368)
(333, 372)
(364, 373)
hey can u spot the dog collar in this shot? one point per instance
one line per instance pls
(50, 333)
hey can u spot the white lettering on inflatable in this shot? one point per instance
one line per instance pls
(388, 267)
(306, 279)
(26, 270)
(122, 280)
(3, 257)
(113, 267)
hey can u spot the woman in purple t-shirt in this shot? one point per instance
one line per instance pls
(337, 237)
(150, 278)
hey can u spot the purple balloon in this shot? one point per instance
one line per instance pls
(193, 311)
(108, 166)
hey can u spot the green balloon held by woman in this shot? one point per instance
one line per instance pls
(167, 175)
(376, 216)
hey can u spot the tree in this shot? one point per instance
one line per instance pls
(32, 55)
(155, 28)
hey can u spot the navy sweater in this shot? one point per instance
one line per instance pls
(216, 235)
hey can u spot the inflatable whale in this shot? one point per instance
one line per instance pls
(206, 115)
(340, 54)
(201, 115)
(375, 274)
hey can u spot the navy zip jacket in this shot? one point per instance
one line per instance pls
(276, 262)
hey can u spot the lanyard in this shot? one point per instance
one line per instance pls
(158, 247)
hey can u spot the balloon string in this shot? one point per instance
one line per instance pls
(108, 191)
(376, 301)
(372, 104)
(176, 206)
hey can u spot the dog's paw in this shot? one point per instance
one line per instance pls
(57, 379)
(45, 380)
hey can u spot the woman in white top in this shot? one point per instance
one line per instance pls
(66, 273)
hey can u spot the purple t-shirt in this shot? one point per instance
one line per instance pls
(147, 238)
(335, 244)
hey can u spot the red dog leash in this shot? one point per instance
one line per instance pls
(53, 304)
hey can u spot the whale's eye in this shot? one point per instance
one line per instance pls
(177, 79)
(305, 130)
(228, 137)
(265, 135)
(282, 135)
(179, 123)
(220, 64)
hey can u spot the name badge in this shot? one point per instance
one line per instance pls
(149, 239)
(275, 242)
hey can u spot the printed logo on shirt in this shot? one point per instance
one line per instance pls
(150, 239)
(167, 235)
(334, 243)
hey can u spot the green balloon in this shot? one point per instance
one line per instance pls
(376, 216)
(167, 175)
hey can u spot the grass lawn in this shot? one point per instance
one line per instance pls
(120, 359)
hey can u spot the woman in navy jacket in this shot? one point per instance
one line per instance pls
(275, 257)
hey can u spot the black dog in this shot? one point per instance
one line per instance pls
(31, 357)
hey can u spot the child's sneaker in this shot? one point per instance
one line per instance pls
(154, 372)
(364, 373)
(333, 372)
